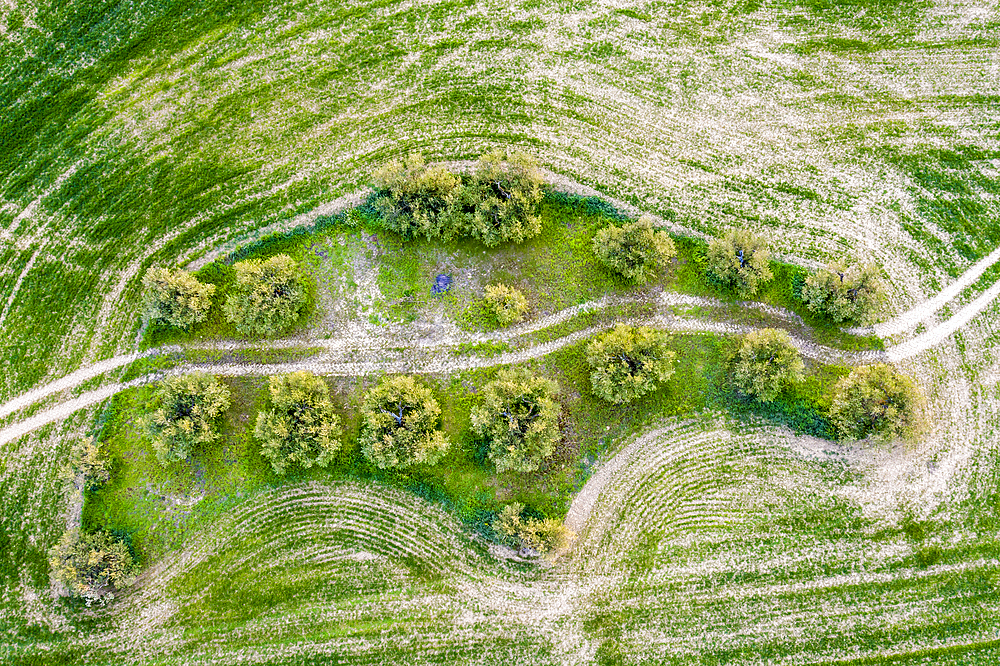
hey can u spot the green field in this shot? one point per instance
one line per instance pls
(172, 133)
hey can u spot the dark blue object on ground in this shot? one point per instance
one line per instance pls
(442, 284)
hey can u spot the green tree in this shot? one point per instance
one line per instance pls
(189, 405)
(506, 305)
(176, 297)
(399, 426)
(269, 296)
(765, 363)
(519, 417)
(845, 294)
(302, 428)
(87, 460)
(92, 566)
(739, 261)
(628, 362)
(538, 536)
(500, 204)
(636, 250)
(876, 402)
(411, 197)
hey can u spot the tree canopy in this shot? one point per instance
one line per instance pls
(92, 565)
(877, 402)
(399, 426)
(845, 294)
(189, 405)
(506, 305)
(532, 534)
(765, 363)
(636, 250)
(176, 297)
(301, 429)
(519, 418)
(268, 297)
(628, 362)
(739, 261)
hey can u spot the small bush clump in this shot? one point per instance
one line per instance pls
(301, 429)
(506, 305)
(176, 297)
(636, 251)
(268, 297)
(628, 362)
(87, 460)
(519, 417)
(399, 427)
(496, 203)
(739, 261)
(92, 566)
(537, 537)
(189, 405)
(876, 402)
(845, 294)
(766, 363)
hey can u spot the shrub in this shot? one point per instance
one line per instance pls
(519, 417)
(412, 197)
(876, 401)
(507, 189)
(268, 297)
(302, 428)
(176, 297)
(739, 261)
(505, 304)
(636, 251)
(86, 459)
(189, 405)
(628, 362)
(845, 294)
(399, 426)
(538, 536)
(91, 565)
(765, 363)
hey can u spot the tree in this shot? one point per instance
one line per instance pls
(876, 402)
(412, 197)
(765, 363)
(628, 362)
(87, 460)
(636, 251)
(176, 297)
(845, 294)
(531, 534)
(739, 261)
(505, 304)
(503, 195)
(519, 417)
(268, 297)
(301, 429)
(399, 426)
(92, 565)
(188, 406)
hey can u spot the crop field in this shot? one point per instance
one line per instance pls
(707, 528)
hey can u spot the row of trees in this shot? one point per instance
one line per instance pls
(268, 297)
(496, 203)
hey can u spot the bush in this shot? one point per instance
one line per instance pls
(845, 294)
(505, 304)
(412, 197)
(86, 459)
(91, 565)
(189, 404)
(739, 261)
(399, 426)
(302, 428)
(519, 417)
(268, 297)
(765, 363)
(636, 251)
(628, 362)
(536, 536)
(876, 402)
(176, 297)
